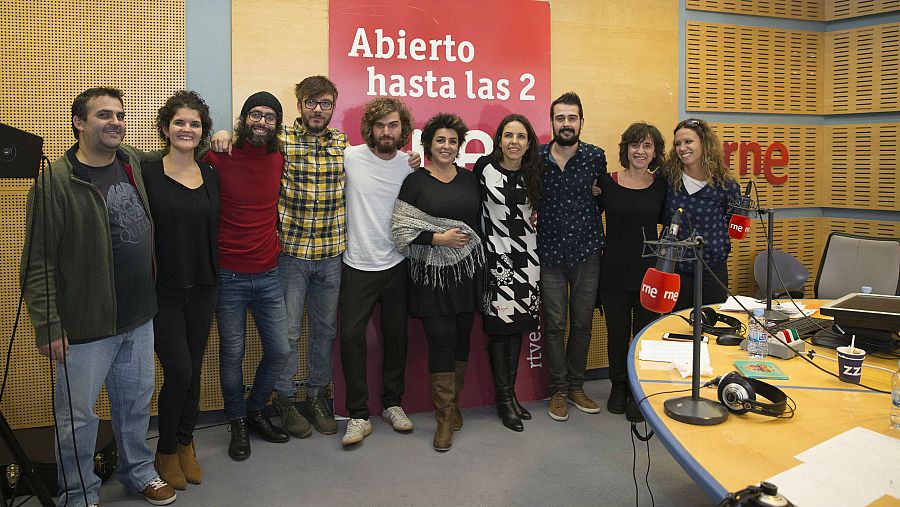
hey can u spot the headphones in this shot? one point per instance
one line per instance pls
(738, 393)
(709, 317)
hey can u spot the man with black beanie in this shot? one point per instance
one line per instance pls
(250, 180)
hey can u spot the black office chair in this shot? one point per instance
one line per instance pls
(791, 271)
(850, 262)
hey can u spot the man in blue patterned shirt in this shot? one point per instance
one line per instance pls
(570, 235)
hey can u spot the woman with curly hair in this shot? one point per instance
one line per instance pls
(184, 202)
(510, 178)
(701, 185)
(436, 226)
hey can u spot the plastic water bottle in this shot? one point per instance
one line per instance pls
(895, 399)
(757, 337)
(865, 289)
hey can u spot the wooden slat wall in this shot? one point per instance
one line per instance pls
(745, 69)
(861, 169)
(845, 9)
(811, 10)
(863, 67)
(807, 10)
(804, 143)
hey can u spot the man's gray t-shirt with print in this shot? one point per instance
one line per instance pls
(132, 245)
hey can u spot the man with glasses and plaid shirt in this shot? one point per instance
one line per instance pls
(313, 237)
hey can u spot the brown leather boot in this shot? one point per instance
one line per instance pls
(443, 386)
(170, 470)
(460, 382)
(187, 457)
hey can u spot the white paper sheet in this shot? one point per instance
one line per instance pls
(854, 468)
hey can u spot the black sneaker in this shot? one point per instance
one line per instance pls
(319, 415)
(239, 448)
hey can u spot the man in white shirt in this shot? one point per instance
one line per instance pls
(374, 271)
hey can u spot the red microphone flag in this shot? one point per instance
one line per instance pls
(659, 290)
(739, 226)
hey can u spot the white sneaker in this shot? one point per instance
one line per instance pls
(357, 429)
(397, 418)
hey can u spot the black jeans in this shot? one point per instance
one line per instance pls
(624, 317)
(448, 340)
(360, 290)
(181, 330)
(712, 291)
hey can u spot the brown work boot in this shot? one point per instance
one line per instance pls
(170, 470)
(187, 456)
(581, 401)
(443, 386)
(460, 382)
(559, 410)
(158, 492)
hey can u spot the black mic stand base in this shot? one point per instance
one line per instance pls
(693, 409)
(700, 412)
(775, 316)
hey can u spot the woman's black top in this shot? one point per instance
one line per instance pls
(628, 212)
(187, 227)
(460, 199)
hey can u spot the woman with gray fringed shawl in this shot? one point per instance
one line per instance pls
(436, 225)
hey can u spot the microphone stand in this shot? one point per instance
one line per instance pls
(694, 409)
(771, 315)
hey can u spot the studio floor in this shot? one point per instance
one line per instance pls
(584, 461)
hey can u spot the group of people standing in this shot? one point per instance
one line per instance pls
(127, 252)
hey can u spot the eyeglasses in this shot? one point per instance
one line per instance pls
(269, 117)
(690, 122)
(324, 104)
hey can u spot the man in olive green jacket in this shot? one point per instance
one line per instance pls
(88, 280)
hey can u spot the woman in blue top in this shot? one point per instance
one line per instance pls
(700, 184)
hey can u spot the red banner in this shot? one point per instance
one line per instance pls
(480, 60)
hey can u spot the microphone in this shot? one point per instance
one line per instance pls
(739, 225)
(660, 286)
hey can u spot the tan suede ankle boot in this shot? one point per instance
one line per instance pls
(170, 470)
(187, 457)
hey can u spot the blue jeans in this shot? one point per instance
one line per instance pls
(319, 283)
(261, 293)
(125, 363)
(568, 291)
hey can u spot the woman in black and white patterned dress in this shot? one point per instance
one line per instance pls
(510, 180)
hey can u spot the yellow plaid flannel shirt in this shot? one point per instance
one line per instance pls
(311, 206)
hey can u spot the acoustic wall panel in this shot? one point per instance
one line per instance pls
(844, 9)
(811, 10)
(755, 148)
(51, 52)
(863, 69)
(752, 70)
(861, 169)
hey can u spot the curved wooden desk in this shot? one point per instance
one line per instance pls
(750, 448)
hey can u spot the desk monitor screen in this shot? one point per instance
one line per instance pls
(866, 311)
